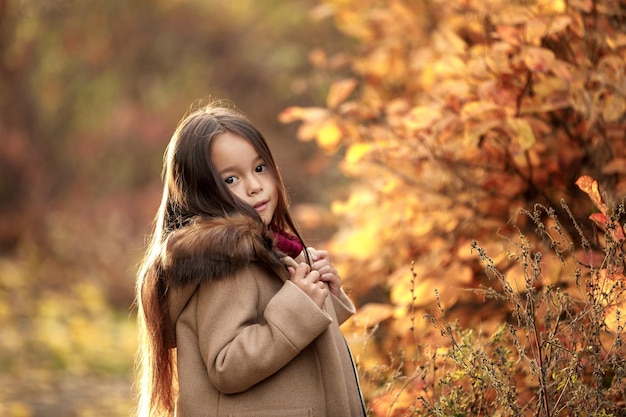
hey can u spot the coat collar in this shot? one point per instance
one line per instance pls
(215, 248)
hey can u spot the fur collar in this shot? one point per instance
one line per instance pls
(215, 248)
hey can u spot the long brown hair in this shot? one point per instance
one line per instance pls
(192, 188)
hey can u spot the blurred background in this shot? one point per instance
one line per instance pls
(431, 146)
(90, 92)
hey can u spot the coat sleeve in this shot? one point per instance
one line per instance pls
(238, 348)
(343, 307)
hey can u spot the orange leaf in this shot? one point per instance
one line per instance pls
(339, 92)
(291, 114)
(600, 219)
(590, 186)
(603, 220)
(309, 114)
(372, 314)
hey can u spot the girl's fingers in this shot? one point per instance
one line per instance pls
(311, 284)
(290, 262)
(300, 272)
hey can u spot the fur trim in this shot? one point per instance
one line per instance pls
(216, 248)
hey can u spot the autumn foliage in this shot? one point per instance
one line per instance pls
(454, 119)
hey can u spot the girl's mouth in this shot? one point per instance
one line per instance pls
(260, 206)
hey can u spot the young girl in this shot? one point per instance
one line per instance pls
(230, 323)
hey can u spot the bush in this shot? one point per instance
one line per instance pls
(448, 117)
(559, 349)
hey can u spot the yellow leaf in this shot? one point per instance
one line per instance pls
(499, 60)
(328, 136)
(476, 109)
(356, 152)
(450, 66)
(552, 7)
(616, 41)
(354, 24)
(558, 23)
(473, 131)
(421, 117)
(614, 108)
(522, 131)
(339, 92)
(539, 27)
(360, 244)
(513, 15)
(358, 198)
(446, 41)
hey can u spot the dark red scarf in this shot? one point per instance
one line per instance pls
(286, 242)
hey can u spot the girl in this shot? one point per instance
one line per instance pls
(230, 323)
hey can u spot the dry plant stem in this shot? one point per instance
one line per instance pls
(588, 313)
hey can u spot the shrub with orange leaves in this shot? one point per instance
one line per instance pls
(451, 116)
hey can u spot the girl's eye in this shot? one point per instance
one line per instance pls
(261, 168)
(230, 180)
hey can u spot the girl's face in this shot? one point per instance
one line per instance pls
(245, 173)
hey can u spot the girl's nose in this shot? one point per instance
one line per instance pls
(254, 186)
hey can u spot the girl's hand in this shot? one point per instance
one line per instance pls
(320, 262)
(309, 282)
(290, 262)
(300, 258)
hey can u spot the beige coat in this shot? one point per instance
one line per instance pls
(249, 342)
